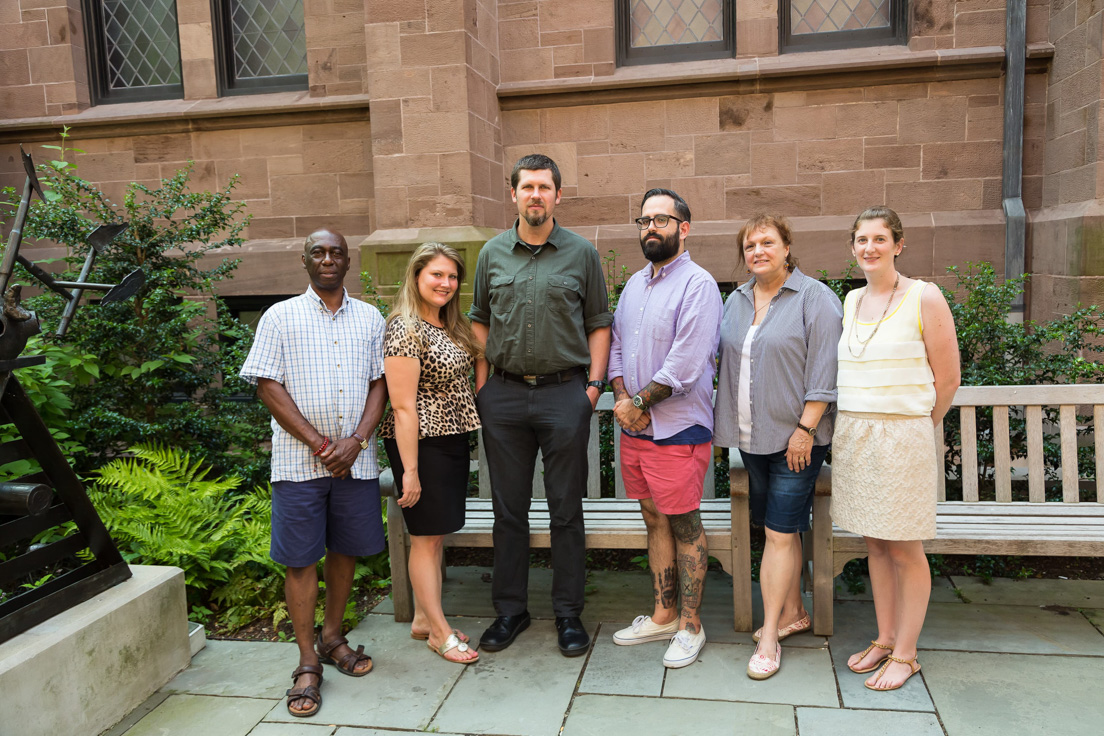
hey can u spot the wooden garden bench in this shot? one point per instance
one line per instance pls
(998, 526)
(611, 523)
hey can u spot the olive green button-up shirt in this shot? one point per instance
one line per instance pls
(539, 307)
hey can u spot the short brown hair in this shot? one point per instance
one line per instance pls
(762, 220)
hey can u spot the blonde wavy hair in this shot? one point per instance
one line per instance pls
(408, 302)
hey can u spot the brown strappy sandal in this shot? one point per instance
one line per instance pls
(307, 692)
(865, 652)
(348, 663)
(913, 669)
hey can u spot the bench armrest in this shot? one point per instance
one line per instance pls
(387, 482)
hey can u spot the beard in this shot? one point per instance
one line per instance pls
(659, 247)
(536, 219)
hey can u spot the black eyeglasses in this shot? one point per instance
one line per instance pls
(659, 220)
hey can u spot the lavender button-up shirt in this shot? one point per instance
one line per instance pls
(666, 329)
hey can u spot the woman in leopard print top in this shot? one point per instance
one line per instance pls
(429, 352)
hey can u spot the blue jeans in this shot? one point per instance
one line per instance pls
(780, 499)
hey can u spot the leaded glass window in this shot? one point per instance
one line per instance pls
(264, 45)
(134, 50)
(842, 23)
(653, 31)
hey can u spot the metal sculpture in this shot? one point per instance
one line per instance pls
(53, 496)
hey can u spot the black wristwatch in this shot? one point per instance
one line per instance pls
(810, 430)
(638, 402)
(600, 385)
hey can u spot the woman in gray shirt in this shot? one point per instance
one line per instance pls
(775, 396)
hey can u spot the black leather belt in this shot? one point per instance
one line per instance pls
(541, 380)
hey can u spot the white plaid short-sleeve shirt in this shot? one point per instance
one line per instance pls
(325, 360)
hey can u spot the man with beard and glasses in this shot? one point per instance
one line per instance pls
(540, 307)
(661, 367)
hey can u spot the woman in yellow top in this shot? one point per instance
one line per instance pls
(898, 372)
(428, 354)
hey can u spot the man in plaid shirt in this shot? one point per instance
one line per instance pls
(318, 364)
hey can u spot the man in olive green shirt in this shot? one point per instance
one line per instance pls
(540, 308)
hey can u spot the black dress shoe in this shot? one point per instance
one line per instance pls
(503, 631)
(573, 638)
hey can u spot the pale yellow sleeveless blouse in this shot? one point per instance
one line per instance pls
(893, 375)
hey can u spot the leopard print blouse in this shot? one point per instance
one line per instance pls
(446, 404)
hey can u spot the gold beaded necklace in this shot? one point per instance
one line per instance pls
(855, 322)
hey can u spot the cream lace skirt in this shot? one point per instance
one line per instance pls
(884, 475)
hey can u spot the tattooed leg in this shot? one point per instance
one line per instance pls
(661, 563)
(693, 560)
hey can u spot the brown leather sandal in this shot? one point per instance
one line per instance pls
(307, 692)
(348, 663)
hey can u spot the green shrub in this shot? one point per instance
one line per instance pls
(168, 357)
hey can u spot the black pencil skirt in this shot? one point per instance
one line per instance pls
(443, 472)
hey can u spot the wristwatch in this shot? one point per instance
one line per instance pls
(600, 385)
(810, 430)
(638, 402)
(363, 442)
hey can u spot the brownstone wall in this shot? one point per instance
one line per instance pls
(552, 39)
(435, 113)
(1067, 233)
(293, 178)
(918, 147)
(42, 58)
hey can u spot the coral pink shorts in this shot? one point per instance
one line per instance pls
(670, 475)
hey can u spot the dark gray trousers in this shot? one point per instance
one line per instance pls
(517, 420)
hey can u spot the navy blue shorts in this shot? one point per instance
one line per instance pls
(341, 515)
(778, 498)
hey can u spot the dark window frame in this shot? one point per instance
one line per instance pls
(98, 85)
(894, 35)
(629, 56)
(228, 84)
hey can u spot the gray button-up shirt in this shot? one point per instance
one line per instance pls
(793, 360)
(539, 307)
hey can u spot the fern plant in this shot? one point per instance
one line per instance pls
(162, 508)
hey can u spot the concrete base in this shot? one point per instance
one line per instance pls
(83, 670)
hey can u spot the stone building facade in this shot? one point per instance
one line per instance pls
(408, 115)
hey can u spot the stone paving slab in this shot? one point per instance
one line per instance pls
(1033, 592)
(1002, 694)
(202, 715)
(855, 625)
(829, 722)
(943, 591)
(1013, 629)
(239, 668)
(1096, 617)
(600, 715)
(405, 688)
(523, 690)
(302, 728)
(623, 670)
(806, 677)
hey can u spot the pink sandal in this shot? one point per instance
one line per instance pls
(799, 626)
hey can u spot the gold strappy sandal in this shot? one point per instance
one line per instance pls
(866, 652)
(912, 666)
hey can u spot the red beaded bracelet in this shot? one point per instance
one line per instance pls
(325, 444)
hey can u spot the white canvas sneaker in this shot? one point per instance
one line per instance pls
(643, 629)
(684, 648)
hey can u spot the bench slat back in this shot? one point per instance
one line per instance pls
(594, 464)
(1032, 400)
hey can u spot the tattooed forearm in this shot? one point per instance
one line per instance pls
(618, 386)
(653, 393)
